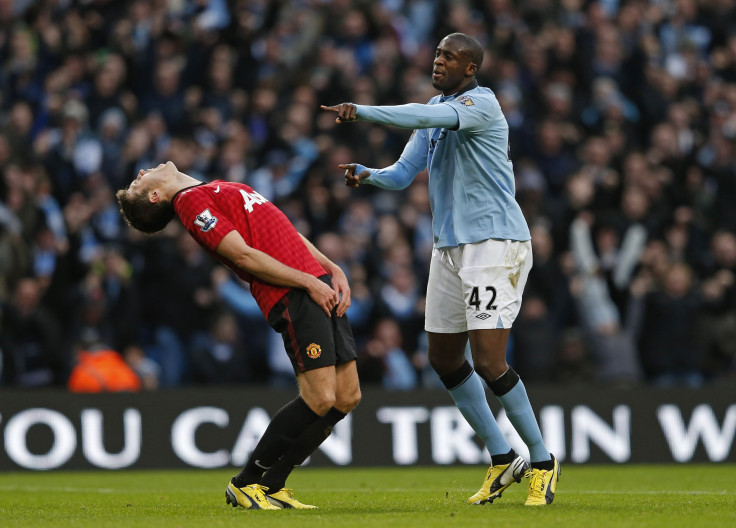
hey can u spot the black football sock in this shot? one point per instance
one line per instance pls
(547, 465)
(505, 458)
(303, 446)
(284, 427)
(457, 377)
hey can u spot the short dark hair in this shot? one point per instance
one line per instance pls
(470, 46)
(139, 213)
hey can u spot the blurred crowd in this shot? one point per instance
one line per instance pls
(622, 117)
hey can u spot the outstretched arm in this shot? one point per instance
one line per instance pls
(411, 115)
(268, 269)
(399, 175)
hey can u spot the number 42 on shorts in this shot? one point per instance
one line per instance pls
(476, 301)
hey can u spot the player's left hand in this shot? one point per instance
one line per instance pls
(325, 297)
(342, 288)
(346, 112)
(353, 179)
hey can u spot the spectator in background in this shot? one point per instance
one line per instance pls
(234, 296)
(611, 331)
(31, 340)
(184, 274)
(112, 129)
(108, 92)
(400, 300)
(670, 352)
(534, 342)
(19, 128)
(15, 259)
(20, 200)
(147, 370)
(218, 356)
(72, 152)
(573, 365)
(383, 360)
(167, 97)
(101, 369)
(548, 281)
(553, 157)
(719, 308)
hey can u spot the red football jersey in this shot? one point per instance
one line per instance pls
(211, 210)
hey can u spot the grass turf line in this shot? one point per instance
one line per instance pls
(673, 496)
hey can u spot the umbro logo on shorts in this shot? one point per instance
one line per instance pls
(483, 316)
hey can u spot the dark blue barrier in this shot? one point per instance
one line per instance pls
(210, 428)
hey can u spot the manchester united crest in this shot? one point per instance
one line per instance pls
(314, 351)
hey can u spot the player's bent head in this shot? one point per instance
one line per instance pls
(469, 46)
(142, 214)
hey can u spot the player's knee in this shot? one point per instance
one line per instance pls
(443, 365)
(490, 370)
(320, 402)
(437, 362)
(348, 400)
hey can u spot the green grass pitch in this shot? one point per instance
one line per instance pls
(587, 497)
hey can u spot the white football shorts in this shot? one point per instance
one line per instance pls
(476, 286)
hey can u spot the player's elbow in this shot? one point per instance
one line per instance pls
(404, 184)
(403, 173)
(246, 262)
(398, 184)
(425, 122)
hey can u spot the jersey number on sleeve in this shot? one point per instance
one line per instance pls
(475, 298)
(251, 199)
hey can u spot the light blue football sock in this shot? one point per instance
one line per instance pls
(470, 399)
(520, 414)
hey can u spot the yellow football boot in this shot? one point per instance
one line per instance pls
(252, 497)
(498, 478)
(542, 485)
(284, 499)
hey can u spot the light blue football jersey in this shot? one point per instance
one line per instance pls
(471, 178)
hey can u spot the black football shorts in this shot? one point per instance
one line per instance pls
(312, 340)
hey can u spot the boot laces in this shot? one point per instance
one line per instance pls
(536, 482)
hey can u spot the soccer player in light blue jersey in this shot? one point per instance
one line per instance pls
(481, 258)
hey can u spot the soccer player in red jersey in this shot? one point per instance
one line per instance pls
(302, 294)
